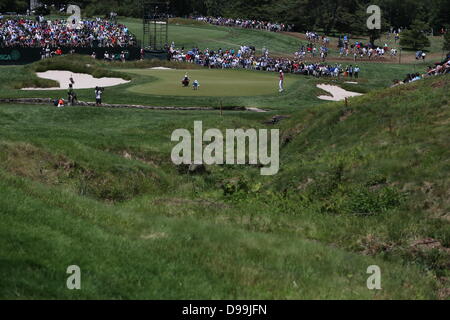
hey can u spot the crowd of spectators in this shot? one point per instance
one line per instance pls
(439, 68)
(319, 46)
(58, 33)
(246, 23)
(246, 58)
(327, 70)
(361, 50)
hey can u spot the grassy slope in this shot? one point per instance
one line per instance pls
(189, 34)
(214, 37)
(64, 175)
(96, 188)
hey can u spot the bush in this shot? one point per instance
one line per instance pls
(415, 38)
(365, 201)
(446, 45)
(327, 184)
(235, 186)
(42, 11)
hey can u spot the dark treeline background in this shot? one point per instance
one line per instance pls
(326, 15)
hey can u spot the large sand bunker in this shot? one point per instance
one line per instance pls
(81, 80)
(161, 68)
(338, 94)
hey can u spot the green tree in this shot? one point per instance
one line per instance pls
(415, 37)
(446, 45)
(19, 6)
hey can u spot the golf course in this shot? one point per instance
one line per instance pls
(362, 182)
(213, 83)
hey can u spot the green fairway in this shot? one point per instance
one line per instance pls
(213, 83)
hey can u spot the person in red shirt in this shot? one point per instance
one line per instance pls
(281, 84)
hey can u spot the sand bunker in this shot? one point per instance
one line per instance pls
(81, 80)
(338, 94)
(161, 68)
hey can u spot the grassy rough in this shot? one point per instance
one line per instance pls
(359, 185)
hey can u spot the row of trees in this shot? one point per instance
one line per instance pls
(328, 16)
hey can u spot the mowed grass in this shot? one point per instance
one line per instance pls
(301, 91)
(96, 188)
(64, 172)
(213, 83)
(359, 185)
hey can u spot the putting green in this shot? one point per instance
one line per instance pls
(213, 83)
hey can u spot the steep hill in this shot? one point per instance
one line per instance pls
(362, 185)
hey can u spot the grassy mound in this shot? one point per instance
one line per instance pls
(359, 185)
(77, 64)
(371, 177)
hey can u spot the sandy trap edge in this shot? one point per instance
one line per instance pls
(81, 80)
(49, 101)
(337, 93)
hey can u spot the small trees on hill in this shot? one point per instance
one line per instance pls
(415, 37)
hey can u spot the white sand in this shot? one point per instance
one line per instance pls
(82, 81)
(255, 109)
(338, 94)
(161, 68)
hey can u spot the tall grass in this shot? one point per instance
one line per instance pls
(359, 185)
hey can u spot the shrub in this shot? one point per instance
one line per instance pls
(365, 201)
(415, 37)
(326, 185)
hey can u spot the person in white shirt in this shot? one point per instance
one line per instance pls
(98, 96)
(356, 72)
(196, 85)
(281, 83)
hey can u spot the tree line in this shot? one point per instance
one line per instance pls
(328, 16)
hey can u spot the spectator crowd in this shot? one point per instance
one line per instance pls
(245, 23)
(24, 32)
(245, 58)
(439, 68)
(318, 47)
(57, 33)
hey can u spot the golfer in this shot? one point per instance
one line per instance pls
(185, 81)
(281, 84)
